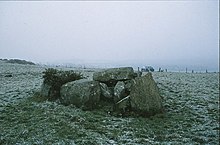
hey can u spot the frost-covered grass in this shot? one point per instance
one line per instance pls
(191, 116)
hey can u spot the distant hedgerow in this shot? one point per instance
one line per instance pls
(18, 61)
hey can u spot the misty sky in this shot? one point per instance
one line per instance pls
(171, 32)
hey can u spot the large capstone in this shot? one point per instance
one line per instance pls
(144, 95)
(81, 93)
(114, 74)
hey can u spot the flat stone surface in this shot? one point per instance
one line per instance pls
(117, 74)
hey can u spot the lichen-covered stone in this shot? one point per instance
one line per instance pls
(119, 91)
(81, 93)
(117, 74)
(105, 91)
(144, 96)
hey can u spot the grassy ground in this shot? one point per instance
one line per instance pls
(191, 116)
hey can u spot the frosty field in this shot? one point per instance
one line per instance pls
(190, 116)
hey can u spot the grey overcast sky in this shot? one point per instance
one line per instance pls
(166, 32)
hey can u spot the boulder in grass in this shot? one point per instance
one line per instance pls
(144, 96)
(114, 74)
(81, 93)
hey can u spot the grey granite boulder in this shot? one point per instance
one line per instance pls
(119, 91)
(105, 91)
(117, 74)
(144, 96)
(81, 93)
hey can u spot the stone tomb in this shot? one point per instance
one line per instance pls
(120, 86)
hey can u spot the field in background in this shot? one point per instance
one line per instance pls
(191, 112)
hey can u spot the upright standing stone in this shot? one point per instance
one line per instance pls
(144, 96)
